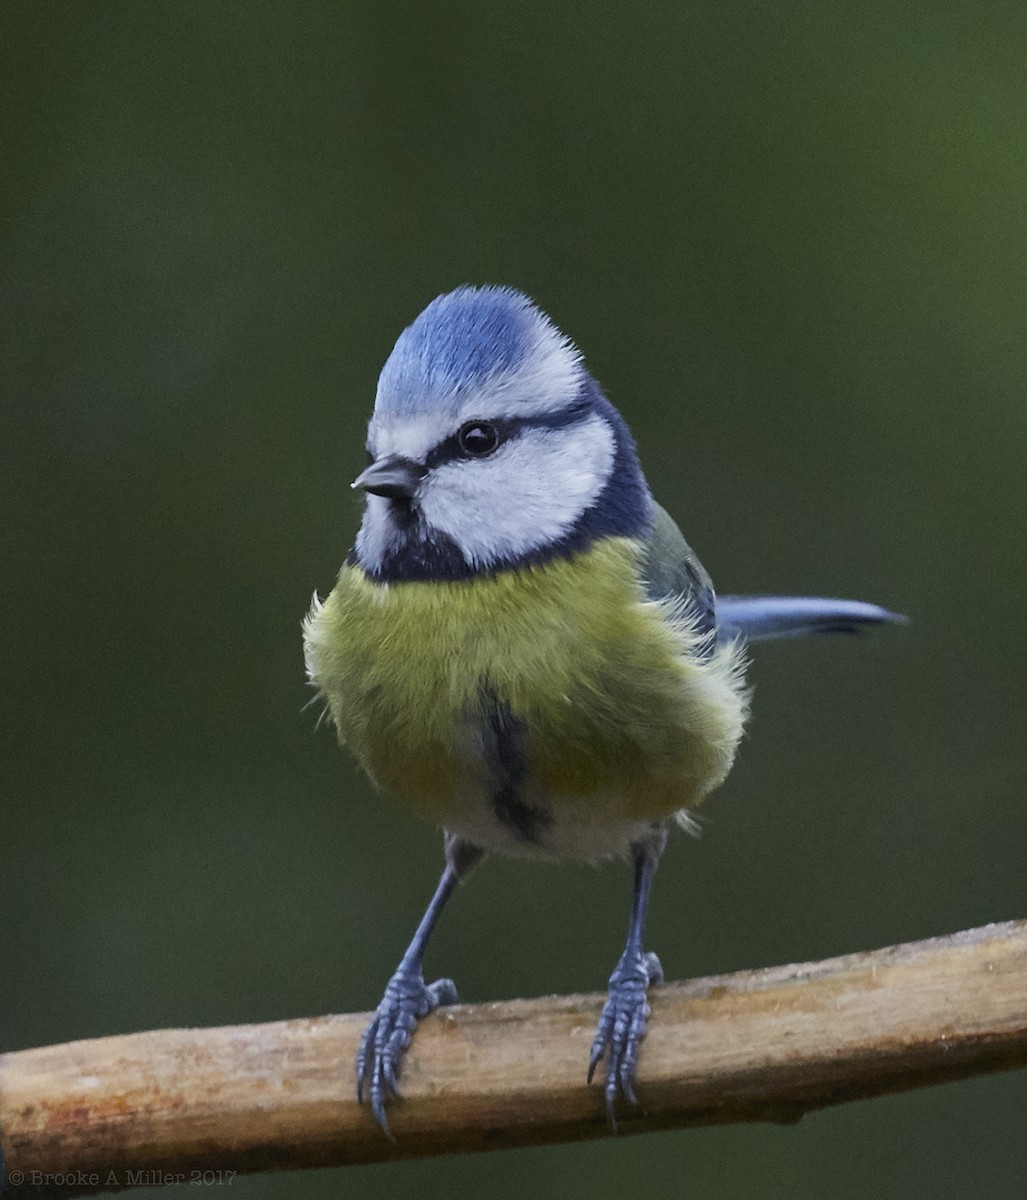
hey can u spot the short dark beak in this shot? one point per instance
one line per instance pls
(394, 476)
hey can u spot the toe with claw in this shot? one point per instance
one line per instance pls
(622, 1027)
(407, 999)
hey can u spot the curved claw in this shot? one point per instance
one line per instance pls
(622, 1028)
(379, 1059)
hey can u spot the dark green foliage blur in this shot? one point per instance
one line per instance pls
(790, 239)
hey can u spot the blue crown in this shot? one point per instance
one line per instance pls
(460, 339)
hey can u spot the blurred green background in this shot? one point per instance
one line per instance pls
(790, 240)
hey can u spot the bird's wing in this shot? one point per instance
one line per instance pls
(761, 617)
(671, 571)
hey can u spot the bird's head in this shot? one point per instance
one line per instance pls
(491, 446)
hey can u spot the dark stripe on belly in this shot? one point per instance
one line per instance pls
(504, 753)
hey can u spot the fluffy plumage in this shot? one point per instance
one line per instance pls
(475, 346)
(617, 716)
(527, 580)
(566, 474)
(522, 646)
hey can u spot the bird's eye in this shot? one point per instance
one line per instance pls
(478, 438)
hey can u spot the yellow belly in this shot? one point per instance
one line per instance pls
(621, 722)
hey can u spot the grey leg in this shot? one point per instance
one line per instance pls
(622, 1023)
(407, 997)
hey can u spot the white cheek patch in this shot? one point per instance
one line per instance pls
(527, 495)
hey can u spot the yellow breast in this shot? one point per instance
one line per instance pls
(621, 720)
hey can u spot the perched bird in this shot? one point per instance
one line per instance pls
(521, 645)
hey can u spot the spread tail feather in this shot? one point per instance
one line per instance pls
(759, 617)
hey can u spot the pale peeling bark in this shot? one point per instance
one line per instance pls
(170, 1105)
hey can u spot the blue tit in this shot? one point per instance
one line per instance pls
(521, 645)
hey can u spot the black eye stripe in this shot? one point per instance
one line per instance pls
(508, 428)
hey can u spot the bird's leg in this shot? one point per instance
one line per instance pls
(622, 1023)
(407, 997)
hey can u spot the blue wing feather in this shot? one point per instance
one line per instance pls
(672, 570)
(759, 618)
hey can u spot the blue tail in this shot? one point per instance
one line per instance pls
(759, 617)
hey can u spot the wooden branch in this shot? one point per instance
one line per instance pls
(169, 1106)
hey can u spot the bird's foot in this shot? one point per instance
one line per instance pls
(622, 1027)
(407, 999)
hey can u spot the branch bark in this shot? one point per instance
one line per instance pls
(768, 1045)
